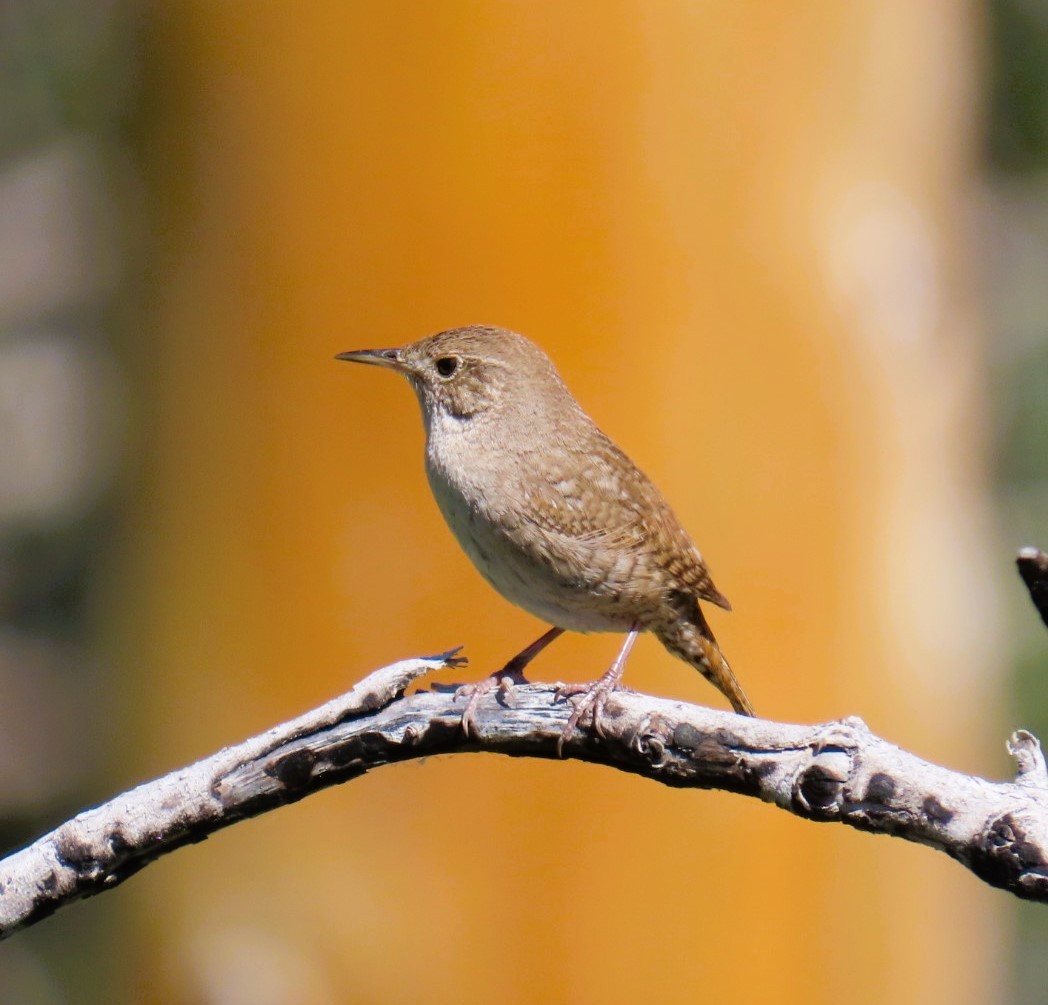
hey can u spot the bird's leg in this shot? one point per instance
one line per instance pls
(511, 673)
(595, 695)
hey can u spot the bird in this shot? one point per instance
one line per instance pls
(552, 513)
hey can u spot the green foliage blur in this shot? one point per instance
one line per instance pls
(1016, 264)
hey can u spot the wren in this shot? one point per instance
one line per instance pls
(554, 515)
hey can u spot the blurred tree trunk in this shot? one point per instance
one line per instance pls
(738, 228)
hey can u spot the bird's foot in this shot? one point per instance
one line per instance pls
(592, 704)
(503, 680)
(512, 673)
(595, 696)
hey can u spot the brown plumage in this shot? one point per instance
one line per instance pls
(552, 513)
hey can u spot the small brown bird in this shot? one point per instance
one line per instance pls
(552, 513)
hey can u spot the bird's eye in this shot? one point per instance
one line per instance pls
(447, 365)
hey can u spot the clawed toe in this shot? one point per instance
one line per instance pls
(512, 673)
(504, 680)
(593, 702)
(473, 692)
(595, 695)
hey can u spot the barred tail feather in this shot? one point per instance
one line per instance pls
(694, 643)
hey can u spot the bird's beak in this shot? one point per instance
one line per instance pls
(376, 357)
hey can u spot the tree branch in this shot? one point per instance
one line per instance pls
(838, 771)
(1033, 567)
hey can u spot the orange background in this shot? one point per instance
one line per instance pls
(738, 230)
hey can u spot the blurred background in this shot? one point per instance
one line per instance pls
(792, 257)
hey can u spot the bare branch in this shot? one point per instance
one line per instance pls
(838, 772)
(1033, 567)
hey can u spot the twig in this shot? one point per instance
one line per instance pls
(838, 772)
(1033, 567)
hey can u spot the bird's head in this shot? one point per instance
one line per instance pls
(465, 372)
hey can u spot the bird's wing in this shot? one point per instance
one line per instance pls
(597, 498)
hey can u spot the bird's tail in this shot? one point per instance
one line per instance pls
(692, 640)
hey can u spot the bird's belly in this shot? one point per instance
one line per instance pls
(532, 577)
(524, 582)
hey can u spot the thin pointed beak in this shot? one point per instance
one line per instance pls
(376, 357)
